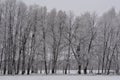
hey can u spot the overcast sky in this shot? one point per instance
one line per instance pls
(78, 6)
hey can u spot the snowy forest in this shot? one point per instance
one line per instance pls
(35, 40)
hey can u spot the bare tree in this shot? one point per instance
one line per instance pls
(43, 25)
(69, 37)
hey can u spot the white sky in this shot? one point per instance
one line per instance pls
(78, 6)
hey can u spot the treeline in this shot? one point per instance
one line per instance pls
(33, 39)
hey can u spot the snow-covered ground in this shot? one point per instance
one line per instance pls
(60, 77)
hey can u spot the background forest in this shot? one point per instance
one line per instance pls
(34, 40)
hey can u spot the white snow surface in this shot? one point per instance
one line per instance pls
(61, 77)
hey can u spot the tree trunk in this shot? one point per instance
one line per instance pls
(79, 69)
(23, 60)
(53, 67)
(85, 70)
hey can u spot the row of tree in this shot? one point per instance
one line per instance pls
(34, 40)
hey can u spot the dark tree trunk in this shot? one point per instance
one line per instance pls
(66, 71)
(23, 63)
(79, 69)
(18, 64)
(53, 68)
(4, 70)
(85, 70)
(28, 67)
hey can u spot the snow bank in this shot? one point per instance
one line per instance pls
(60, 77)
